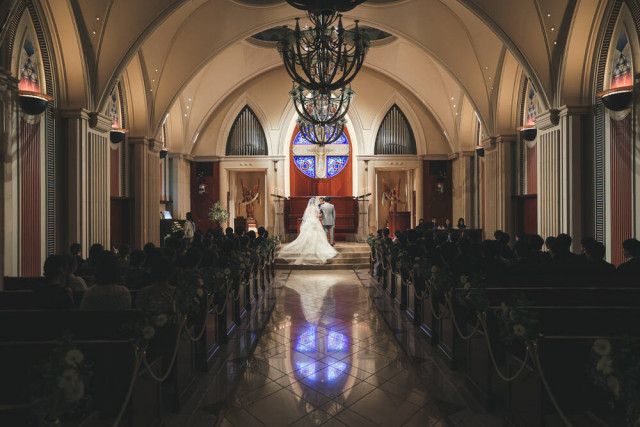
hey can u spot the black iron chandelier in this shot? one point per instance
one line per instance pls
(321, 134)
(321, 108)
(320, 5)
(323, 57)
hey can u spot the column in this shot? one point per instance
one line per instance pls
(86, 138)
(462, 166)
(499, 183)
(180, 184)
(9, 231)
(562, 172)
(145, 190)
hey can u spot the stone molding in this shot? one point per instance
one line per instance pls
(100, 122)
(548, 119)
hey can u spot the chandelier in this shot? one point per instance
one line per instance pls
(320, 5)
(321, 134)
(324, 57)
(321, 107)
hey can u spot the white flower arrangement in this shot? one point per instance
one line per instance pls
(602, 347)
(73, 357)
(519, 330)
(148, 332)
(161, 320)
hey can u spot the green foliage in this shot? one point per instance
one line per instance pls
(218, 214)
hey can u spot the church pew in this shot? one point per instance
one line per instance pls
(35, 325)
(25, 299)
(568, 322)
(180, 384)
(564, 296)
(566, 362)
(113, 364)
(22, 283)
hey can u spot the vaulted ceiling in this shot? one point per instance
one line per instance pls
(474, 51)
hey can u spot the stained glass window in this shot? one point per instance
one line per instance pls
(621, 67)
(320, 162)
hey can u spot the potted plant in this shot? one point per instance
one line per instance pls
(218, 214)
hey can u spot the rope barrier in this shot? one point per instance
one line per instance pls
(134, 377)
(455, 322)
(204, 323)
(493, 359)
(173, 358)
(547, 388)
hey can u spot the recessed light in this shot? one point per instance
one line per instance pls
(150, 90)
(189, 99)
(489, 77)
(456, 113)
(486, 68)
(156, 70)
(454, 105)
(97, 18)
(93, 32)
(185, 114)
(555, 42)
(452, 98)
(553, 28)
(188, 107)
(153, 80)
(548, 15)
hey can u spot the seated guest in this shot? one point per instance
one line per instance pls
(563, 260)
(594, 253)
(74, 282)
(189, 228)
(228, 232)
(434, 223)
(160, 295)
(75, 250)
(503, 241)
(447, 224)
(137, 276)
(88, 268)
(107, 294)
(124, 253)
(550, 243)
(632, 254)
(461, 225)
(54, 293)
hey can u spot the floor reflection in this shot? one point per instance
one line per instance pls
(327, 356)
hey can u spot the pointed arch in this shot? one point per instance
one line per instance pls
(247, 137)
(395, 135)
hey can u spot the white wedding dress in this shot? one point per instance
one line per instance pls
(311, 246)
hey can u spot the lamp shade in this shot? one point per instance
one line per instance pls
(163, 153)
(617, 99)
(116, 135)
(528, 133)
(33, 103)
(480, 151)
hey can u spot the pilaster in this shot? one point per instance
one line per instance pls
(9, 231)
(561, 183)
(499, 183)
(462, 170)
(180, 171)
(146, 190)
(86, 137)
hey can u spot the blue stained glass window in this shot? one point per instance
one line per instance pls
(307, 341)
(306, 164)
(335, 164)
(301, 140)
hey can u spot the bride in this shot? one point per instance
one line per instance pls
(311, 246)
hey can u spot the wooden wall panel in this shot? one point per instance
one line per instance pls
(114, 173)
(532, 169)
(201, 203)
(30, 203)
(621, 187)
(437, 205)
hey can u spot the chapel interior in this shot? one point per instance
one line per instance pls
(482, 157)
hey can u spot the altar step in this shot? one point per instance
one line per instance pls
(351, 255)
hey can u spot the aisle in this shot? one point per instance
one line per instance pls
(326, 356)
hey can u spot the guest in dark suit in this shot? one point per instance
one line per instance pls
(632, 254)
(594, 253)
(461, 225)
(54, 293)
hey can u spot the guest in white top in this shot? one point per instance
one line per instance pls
(107, 294)
(74, 282)
(189, 228)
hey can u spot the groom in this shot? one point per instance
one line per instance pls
(328, 216)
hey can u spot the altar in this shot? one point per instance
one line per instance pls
(346, 215)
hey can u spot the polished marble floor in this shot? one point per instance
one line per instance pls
(327, 357)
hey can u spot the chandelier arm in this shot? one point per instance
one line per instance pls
(299, 53)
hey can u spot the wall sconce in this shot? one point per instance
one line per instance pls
(528, 133)
(202, 186)
(163, 153)
(480, 151)
(116, 135)
(616, 99)
(442, 178)
(33, 103)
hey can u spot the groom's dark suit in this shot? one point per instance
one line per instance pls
(328, 213)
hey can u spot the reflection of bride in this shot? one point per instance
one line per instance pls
(311, 246)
